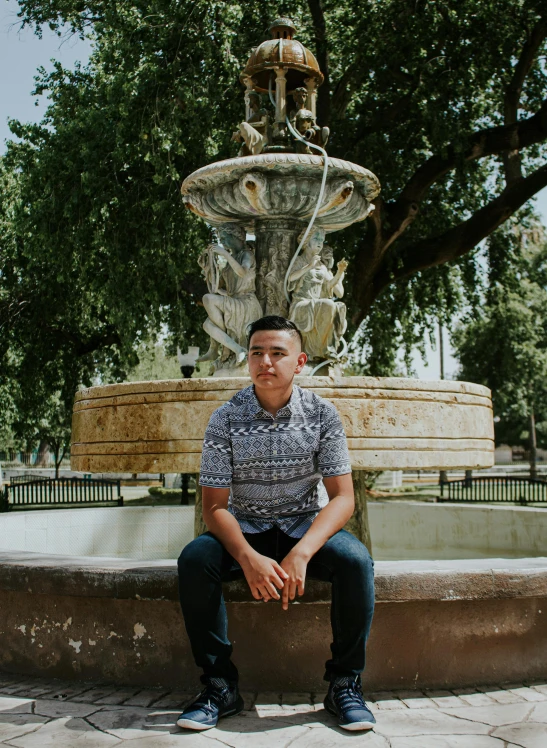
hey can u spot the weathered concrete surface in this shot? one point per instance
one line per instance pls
(46, 713)
(390, 423)
(437, 624)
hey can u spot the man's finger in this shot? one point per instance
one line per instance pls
(264, 594)
(292, 589)
(301, 588)
(277, 581)
(254, 592)
(272, 591)
(285, 597)
(281, 571)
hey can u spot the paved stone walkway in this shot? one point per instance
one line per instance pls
(54, 714)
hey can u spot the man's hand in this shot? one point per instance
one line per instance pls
(295, 565)
(263, 576)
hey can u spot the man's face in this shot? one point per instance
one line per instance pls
(275, 356)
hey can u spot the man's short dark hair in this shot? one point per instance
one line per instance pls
(273, 322)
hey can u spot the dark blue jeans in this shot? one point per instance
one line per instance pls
(205, 564)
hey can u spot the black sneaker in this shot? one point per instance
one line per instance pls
(345, 701)
(218, 699)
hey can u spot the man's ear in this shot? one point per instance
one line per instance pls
(302, 358)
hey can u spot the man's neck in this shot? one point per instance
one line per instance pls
(272, 401)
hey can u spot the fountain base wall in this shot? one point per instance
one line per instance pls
(437, 624)
(390, 423)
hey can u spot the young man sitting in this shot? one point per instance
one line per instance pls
(277, 491)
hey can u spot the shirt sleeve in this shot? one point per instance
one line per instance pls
(216, 457)
(333, 456)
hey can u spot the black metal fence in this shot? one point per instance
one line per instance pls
(509, 489)
(28, 491)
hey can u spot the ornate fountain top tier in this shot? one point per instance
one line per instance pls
(282, 50)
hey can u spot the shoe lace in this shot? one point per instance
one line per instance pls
(348, 694)
(213, 695)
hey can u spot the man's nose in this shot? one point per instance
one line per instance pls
(266, 360)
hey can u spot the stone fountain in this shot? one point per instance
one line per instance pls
(285, 191)
(271, 208)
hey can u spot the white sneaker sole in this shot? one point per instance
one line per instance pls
(354, 726)
(189, 724)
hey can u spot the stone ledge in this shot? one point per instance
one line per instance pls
(396, 581)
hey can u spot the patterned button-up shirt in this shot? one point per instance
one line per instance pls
(274, 466)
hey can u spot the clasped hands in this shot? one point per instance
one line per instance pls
(266, 578)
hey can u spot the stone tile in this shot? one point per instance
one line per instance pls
(448, 741)
(118, 696)
(538, 713)
(529, 694)
(501, 696)
(15, 706)
(268, 697)
(145, 698)
(495, 714)
(179, 699)
(64, 693)
(66, 733)
(399, 723)
(89, 697)
(242, 731)
(329, 738)
(443, 698)
(526, 735)
(295, 699)
(14, 725)
(414, 699)
(249, 699)
(385, 700)
(539, 687)
(187, 739)
(57, 709)
(13, 688)
(473, 698)
(127, 723)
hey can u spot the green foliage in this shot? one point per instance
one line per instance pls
(97, 253)
(504, 345)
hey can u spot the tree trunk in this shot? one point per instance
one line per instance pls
(358, 524)
(199, 525)
(533, 446)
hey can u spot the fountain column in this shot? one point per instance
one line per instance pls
(276, 242)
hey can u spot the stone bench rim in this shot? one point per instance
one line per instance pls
(396, 581)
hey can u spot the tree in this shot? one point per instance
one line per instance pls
(504, 345)
(447, 107)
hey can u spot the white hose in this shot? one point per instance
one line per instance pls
(297, 135)
(319, 199)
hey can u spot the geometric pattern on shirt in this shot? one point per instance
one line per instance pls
(274, 466)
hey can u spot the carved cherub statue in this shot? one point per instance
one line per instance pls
(231, 303)
(253, 134)
(306, 126)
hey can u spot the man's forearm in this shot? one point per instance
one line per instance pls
(225, 527)
(330, 519)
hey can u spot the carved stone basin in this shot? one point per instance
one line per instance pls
(390, 423)
(280, 185)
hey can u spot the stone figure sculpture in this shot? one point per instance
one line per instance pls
(254, 134)
(320, 318)
(231, 303)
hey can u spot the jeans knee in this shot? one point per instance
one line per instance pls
(198, 558)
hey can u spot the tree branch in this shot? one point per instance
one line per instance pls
(512, 161)
(455, 242)
(321, 48)
(482, 143)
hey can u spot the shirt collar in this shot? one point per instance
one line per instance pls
(293, 406)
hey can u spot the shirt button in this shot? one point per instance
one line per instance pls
(275, 451)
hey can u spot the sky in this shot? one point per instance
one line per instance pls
(22, 52)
